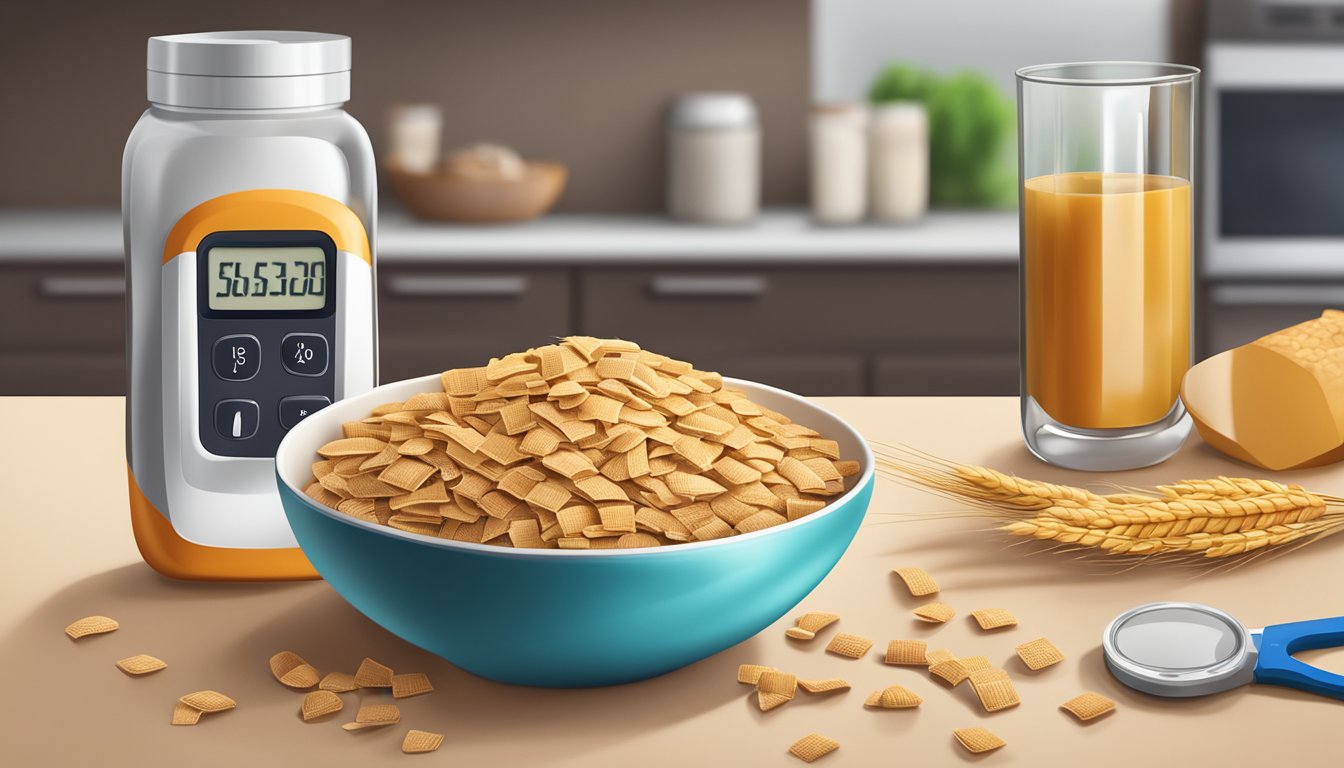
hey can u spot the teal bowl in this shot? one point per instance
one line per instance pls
(569, 618)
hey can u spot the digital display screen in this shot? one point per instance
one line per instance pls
(267, 279)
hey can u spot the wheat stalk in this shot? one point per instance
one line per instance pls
(1215, 518)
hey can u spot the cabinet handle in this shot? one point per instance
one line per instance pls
(82, 287)
(708, 286)
(1278, 295)
(458, 286)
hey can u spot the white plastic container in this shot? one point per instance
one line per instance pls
(899, 161)
(415, 136)
(248, 208)
(713, 158)
(838, 144)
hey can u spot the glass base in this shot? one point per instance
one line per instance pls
(1103, 449)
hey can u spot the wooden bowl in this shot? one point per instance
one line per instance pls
(445, 196)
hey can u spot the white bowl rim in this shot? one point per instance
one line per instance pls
(864, 478)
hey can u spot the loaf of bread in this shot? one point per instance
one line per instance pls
(1277, 402)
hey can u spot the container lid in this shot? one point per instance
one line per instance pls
(710, 110)
(270, 69)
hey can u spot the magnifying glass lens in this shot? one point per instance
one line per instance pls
(1175, 638)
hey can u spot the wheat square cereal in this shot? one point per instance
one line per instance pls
(917, 581)
(141, 664)
(91, 625)
(849, 646)
(907, 652)
(977, 740)
(828, 685)
(815, 621)
(418, 742)
(937, 613)
(798, 633)
(939, 655)
(1039, 654)
(813, 747)
(374, 716)
(952, 671)
(994, 618)
(769, 701)
(208, 701)
(338, 682)
(773, 681)
(749, 674)
(320, 704)
(1088, 706)
(994, 689)
(371, 674)
(185, 714)
(410, 684)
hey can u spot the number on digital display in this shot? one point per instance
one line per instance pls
(259, 280)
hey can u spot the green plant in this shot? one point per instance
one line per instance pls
(972, 134)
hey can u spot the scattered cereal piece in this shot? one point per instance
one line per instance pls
(1039, 654)
(850, 646)
(1088, 706)
(940, 655)
(893, 697)
(798, 633)
(907, 652)
(371, 674)
(185, 714)
(776, 682)
(142, 664)
(768, 701)
(917, 581)
(938, 613)
(410, 684)
(994, 618)
(208, 701)
(977, 740)
(750, 674)
(91, 625)
(812, 747)
(374, 716)
(829, 685)
(291, 670)
(338, 682)
(417, 742)
(816, 621)
(995, 689)
(320, 704)
(955, 671)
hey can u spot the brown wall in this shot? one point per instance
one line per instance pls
(581, 81)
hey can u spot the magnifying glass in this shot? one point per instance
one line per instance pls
(1188, 649)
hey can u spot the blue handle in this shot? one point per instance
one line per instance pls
(1276, 665)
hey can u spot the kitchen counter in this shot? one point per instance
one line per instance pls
(778, 237)
(71, 554)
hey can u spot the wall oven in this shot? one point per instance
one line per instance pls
(1272, 246)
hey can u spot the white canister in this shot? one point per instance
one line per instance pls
(839, 163)
(415, 136)
(713, 158)
(899, 161)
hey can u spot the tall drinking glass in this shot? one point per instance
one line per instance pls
(1107, 153)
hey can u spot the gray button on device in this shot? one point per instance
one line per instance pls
(304, 354)
(236, 357)
(296, 408)
(237, 419)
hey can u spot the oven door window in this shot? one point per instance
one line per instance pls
(1281, 163)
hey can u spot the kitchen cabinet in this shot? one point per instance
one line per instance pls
(62, 328)
(431, 318)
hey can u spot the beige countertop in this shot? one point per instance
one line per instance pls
(777, 237)
(70, 554)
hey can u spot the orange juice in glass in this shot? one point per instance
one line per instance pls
(1106, 151)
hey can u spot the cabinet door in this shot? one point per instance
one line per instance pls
(812, 375)
(432, 318)
(845, 308)
(935, 373)
(62, 329)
